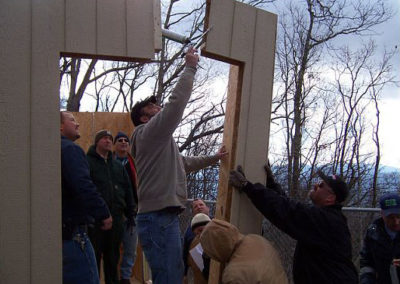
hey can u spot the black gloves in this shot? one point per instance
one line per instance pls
(271, 183)
(270, 176)
(237, 178)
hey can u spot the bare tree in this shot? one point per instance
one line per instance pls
(307, 29)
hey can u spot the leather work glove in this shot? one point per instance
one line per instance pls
(237, 178)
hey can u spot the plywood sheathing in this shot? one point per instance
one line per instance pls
(116, 30)
(92, 122)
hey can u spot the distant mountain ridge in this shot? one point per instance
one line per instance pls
(388, 169)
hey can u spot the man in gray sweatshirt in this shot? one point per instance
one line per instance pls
(161, 171)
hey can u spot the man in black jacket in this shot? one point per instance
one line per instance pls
(380, 254)
(81, 205)
(323, 251)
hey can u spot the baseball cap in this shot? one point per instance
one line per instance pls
(337, 184)
(390, 204)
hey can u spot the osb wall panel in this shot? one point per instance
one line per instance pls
(246, 37)
(92, 122)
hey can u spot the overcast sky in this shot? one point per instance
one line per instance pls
(390, 106)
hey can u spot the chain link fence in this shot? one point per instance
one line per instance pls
(358, 220)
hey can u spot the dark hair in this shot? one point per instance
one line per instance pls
(136, 111)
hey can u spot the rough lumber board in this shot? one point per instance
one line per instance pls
(80, 26)
(224, 199)
(223, 207)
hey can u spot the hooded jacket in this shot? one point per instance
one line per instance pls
(112, 183)
(249, 259)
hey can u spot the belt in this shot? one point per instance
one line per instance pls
(173, 209)
(68, 230)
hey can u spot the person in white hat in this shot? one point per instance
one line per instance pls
(197, 261)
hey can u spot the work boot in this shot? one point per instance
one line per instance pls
(125, 281)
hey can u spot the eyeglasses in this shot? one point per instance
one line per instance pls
(122, 140)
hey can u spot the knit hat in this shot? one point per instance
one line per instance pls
(337, 184)
(101, 134)
(119, 135)
(136, 111)
(198, 220)
(390, 204)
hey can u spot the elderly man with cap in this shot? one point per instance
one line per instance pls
(380, 254)
(323, 252)
(113, 184)
(129, 239)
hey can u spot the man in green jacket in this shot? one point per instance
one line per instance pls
(113, 184)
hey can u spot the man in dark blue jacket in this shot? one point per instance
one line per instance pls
(380, 254)
(81, 206)
(323, 252)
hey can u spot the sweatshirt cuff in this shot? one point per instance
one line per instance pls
(193, 69)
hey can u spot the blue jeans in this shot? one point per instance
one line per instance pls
(79, 262)
(160, 238)
(129, 242)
